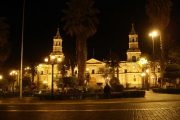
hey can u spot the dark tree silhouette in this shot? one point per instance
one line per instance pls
(174, 54)
(81, 21)
(158, 12)
(4, 35)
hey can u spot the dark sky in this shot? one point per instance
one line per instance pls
(42, 17)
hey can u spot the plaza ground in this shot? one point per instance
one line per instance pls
(153, 106)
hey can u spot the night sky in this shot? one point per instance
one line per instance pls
(42, 17)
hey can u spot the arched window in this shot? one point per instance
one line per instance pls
(134, 58)
(93, 71)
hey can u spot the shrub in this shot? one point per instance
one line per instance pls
(115, 85)
(167, 90)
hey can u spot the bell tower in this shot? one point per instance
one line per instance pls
(57, 46)
(133, 53)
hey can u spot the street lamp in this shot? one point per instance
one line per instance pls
(1, 77)
(152, 35)
(53, 60)
(143, 61)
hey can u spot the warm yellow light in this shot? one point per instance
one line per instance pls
(53, 57)
(13, 72)
(87, 69)
(152, 76)
(59, 59)
(27, 68)
(1, 77)
(45, 82)
(40, 65)
(143, 74)
(147, 70)
(153, 34)
(46, 60)
(143, 61)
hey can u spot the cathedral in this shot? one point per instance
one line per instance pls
(135, 72)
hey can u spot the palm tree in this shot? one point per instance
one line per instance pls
(4, 45)
(81, 21)
(158, 12)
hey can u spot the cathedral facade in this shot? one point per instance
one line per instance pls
(135, 72)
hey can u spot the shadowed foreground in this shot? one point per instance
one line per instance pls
(153, 107)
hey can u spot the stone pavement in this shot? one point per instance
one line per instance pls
(92, 111)
(153, 106)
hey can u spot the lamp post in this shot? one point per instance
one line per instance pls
(53, 60)
(147, 82)
(152, 35)
(22, 51)
(143, 62)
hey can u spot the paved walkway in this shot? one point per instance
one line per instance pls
(153, 106)
(149, 97)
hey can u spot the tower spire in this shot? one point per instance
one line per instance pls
(132, 30)
(133, 53)
(58, 36)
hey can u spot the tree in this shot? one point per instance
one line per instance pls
(158, 12)
(106, 73)
(174, 54)
(115, 85)
(11, 81)
(27, 82)
(113, 64)
(63, 69)
(4, 45)
(4, 84)
(67, 81)
(81, 21)
(172, 72)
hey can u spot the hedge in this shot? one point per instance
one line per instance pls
(167, 90)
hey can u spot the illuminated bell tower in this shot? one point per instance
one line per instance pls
(133, 53)
(57, 46)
